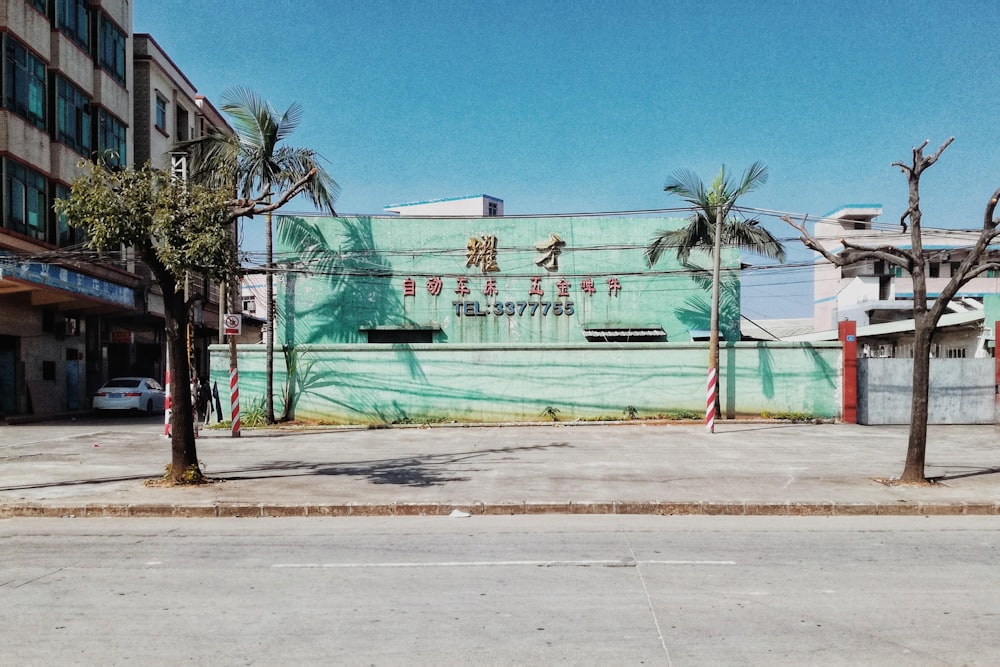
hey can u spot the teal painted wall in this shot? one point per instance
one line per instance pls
(403, 383)
(344, 275)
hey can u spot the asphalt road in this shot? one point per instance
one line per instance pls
(570, 590)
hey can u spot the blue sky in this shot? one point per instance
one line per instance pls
(560, 107)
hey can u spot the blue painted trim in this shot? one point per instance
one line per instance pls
(847, 206)
(825, 299)
(933, 295)
(67, 280)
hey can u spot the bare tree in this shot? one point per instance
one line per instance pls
(925, 317)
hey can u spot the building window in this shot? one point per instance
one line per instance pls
(65, 234)
(38, 4)
(992, 273)
(249, 304)
(73, 19)
(24, 83)
(934, 270)
(111, 139)
(389, 335)
(112, 49)
(400, 336)
(181, 114)
(897, 271)
(26, 200)
(161, 113)
(492, 209)
(73, 118)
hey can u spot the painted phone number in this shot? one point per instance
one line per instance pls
(513, 308)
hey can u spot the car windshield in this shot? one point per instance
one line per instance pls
(123, 382)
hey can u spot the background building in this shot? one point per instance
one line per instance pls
(879, 296)
(74, 90)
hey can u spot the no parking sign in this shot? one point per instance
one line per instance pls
(234, 324)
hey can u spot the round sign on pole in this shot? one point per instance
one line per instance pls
(234, 324)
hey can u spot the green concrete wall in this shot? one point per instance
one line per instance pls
(343, 276)
(497, 350)
(419, 383)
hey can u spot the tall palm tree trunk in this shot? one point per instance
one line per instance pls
(269, 247)
(713, 335)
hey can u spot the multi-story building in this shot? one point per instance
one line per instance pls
(168, 110)
(66, 83)
(879, 296)
(69, 320)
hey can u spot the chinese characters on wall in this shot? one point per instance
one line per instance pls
(481, 253)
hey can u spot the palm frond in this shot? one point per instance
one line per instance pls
(709, 203)
(289, 121)
(685, 184)
(748, 235)
(252, 118)
(251, 163)
(755, 176)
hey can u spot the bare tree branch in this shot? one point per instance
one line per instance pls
(980, 269)
(913, 173)
(258, 205)
(989, 222)
(853, 252)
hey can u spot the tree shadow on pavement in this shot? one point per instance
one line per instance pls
(75, 482)
(960, 474)
(419, 471)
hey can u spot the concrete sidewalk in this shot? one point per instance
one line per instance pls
(102, 467)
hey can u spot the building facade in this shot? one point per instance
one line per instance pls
(879, 296)
(488, 318)
(68, 319)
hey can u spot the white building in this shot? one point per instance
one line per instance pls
(470, 206)
(879, 296)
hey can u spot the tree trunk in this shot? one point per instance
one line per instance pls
(916, 449)
(184, 456)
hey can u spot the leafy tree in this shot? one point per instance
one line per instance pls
(926, 315)
(174, 228)
(712, 211)
(261, 173)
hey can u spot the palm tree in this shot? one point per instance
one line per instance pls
(711, 226)
(253, 164)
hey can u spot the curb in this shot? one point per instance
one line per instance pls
(269, 510)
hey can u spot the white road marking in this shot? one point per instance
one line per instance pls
(504, 563)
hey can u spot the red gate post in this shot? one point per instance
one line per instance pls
(847, 333)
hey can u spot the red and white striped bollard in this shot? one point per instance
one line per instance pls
(234, 399)
(710, 403)
(166, 406)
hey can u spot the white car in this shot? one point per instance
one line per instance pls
(130, 393)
